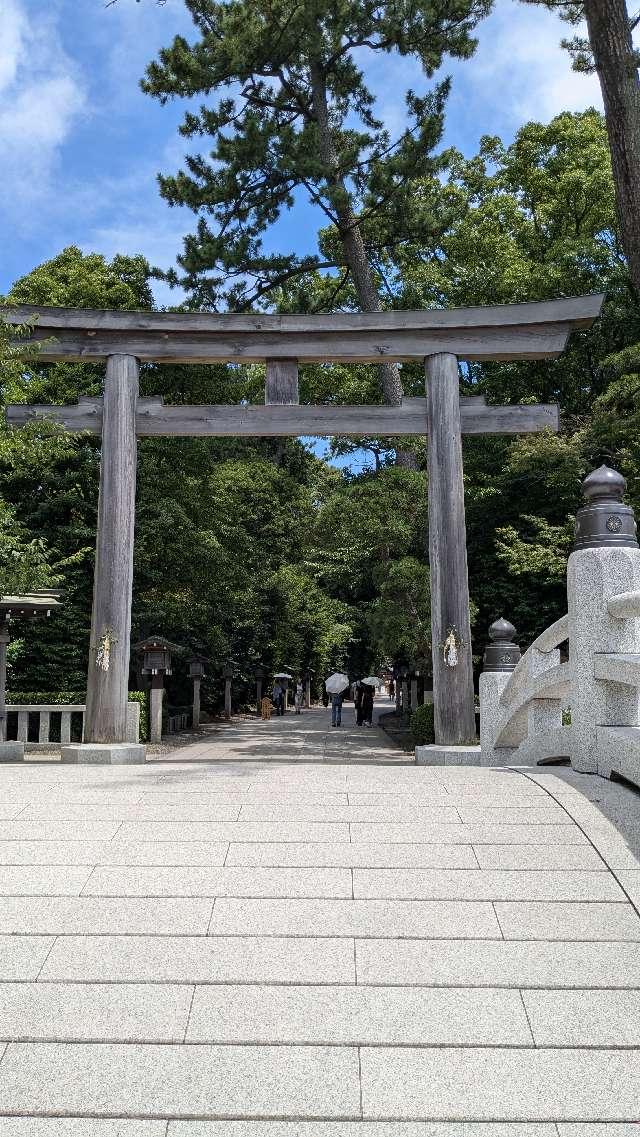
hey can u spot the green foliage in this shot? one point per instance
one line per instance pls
(400, 616)
(422, 729)
(257, 551)
(530, 221)
(23, 559)
(74, 279)
(289, 116)
(142, 697)
(54, 698)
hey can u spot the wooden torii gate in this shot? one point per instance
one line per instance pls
(438, 337)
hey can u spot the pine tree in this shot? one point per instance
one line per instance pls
(288, 112)
(610, 51)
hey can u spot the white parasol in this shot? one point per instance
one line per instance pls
(337, 683)
(372, 681)
(282, 675)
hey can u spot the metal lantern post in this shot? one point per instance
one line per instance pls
(196, 674)
(414, 688)
(156, 662)
(33, 605)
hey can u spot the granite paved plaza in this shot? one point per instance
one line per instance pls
(288, 931)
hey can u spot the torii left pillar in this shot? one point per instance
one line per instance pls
(105, 727)
(453, 698)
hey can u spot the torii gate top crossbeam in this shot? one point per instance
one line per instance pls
(500, 332)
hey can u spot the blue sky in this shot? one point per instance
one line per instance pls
(80, 144)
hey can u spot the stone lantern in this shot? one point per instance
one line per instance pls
(227, 674)
(307, 687)
(403, 672)
(156, 661)
(32, 606)
(196, 674)
(260, 676)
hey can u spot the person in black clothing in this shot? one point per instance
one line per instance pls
(366, 705)
(357, 699)
(278, 698)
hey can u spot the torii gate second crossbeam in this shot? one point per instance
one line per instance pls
(438, 337)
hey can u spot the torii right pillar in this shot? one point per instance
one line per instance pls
(453, 698)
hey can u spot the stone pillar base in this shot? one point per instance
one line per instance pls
(449, 756)
(104, 754)
(11, 751)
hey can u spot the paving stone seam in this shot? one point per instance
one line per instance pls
(250, 1119)
(495, 912)
(346, 983)
(85, 885)
(360, 1083)
(326, 1043)
(336, 935)
(377, 868)
(592, 841)
(106, 1115)
(193, 995)
(309, 841)
(50, 949)
(213, 906)
(526, 1015)
(355, 975)
(299, 896)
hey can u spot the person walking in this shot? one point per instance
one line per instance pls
(298, 697)
(366, 704)
(392, 690)
(278, 697)
(357, 699)
(336, 708)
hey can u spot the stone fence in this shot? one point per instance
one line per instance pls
(44, 720)
(582, 703)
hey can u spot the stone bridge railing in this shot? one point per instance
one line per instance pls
(584, 703)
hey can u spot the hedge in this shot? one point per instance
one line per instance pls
(422, 725)
(142, 697)
(33, 698)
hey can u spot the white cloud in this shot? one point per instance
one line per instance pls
(42, 98)
(131, 35)
(521, 70)
(13, 27)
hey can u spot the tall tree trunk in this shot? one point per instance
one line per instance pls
(349, 229)
(610, 37)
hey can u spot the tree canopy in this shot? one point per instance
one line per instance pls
(290, 117)
(261, 552)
